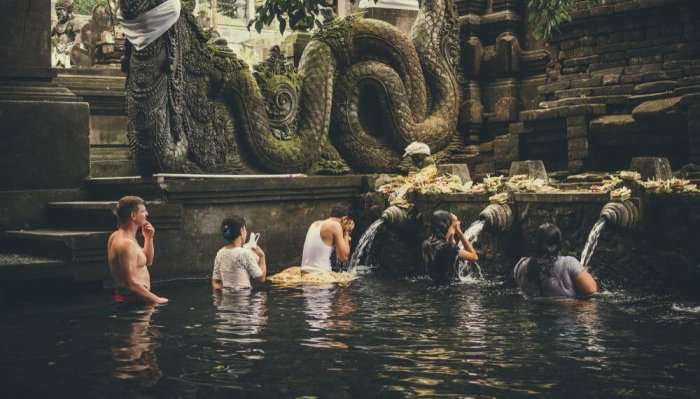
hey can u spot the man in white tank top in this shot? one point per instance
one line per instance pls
(325, 235)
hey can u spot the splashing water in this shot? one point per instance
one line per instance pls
(364, 247)
(473, 231)
(593, 236)
(468, 272)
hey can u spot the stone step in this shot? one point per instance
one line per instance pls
(14, 267)
(111, 160)
(71, 246)
(111, 167)
(97, 215)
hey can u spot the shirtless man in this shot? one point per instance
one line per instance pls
(325, 235)
(128, 262)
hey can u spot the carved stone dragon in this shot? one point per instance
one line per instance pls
(193, 106)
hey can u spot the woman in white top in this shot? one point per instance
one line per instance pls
(235, 265)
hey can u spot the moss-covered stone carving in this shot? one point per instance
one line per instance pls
(193, 106)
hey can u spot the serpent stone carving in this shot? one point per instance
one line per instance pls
(193, 106)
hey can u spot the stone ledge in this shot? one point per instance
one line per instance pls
(452, 197)
(67, 245)
(563, 112)
(611, 9)
(614, 124)
(97, 215)
(225, 189)
(562, 197)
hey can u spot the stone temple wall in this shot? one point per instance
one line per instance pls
(622, 79)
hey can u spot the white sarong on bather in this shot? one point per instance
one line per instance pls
(149, 26)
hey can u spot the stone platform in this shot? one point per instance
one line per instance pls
(186, 211)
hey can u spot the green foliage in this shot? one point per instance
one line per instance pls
(298, 15)
(545, 16)
(84, 7)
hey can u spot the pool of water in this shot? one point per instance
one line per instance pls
(376, 338)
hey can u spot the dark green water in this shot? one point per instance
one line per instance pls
(374, 339)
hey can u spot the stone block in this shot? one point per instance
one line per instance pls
(631, 78)
(45, 144)
(518, 128)
(458, 169)
(576, 131)
(656, 108)
(25, 29)
(610, 79)
(577, 155)
(652, 64)
(652, 167)
(614, 124)
(574, 62)
(555, 86)
(486, 146)
(590, 82)
(662, 75)
(576, 121)
(654, 87)
(605, 66)
(607, 71)
(694, 112)
(575, 166)
(578, 144)
(612, 90)
(294, 44)
(532, 168)
(613, 57)
(573, 93)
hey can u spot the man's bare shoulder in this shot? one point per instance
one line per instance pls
(121, 245)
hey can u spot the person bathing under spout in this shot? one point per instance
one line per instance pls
(323, 237)
(441, 250)
(128, 261)
(235, 263)
(547, 274)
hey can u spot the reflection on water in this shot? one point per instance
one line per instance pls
(134, 343)
(327, 310)
(240, 316)
(375, 338)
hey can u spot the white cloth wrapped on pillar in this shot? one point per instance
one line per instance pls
(149, 26)
(391, 4)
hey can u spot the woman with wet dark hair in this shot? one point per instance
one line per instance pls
(441, 250)
(547, 274)
(235, 264)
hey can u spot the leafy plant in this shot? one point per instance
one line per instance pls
(546, 16)
(298, 15)
(84, 7)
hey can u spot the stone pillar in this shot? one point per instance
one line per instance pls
(293, 46)
(694, 132)
(577, 142)
(44, 128)
(400, 13)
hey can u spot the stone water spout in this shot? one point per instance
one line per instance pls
(395, 216)
(497, 217)
(621, 214)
